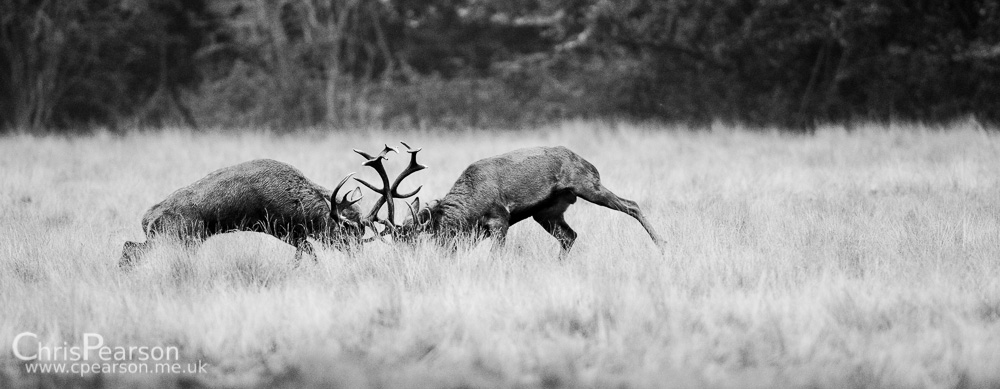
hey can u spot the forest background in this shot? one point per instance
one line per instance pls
(292, 64)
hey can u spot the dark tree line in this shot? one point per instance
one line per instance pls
(69, 65)
(77, 63)
(798, 62)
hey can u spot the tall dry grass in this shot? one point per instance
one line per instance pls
(867, 258)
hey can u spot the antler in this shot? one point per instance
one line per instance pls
(389, 192)
(339, 205)
(376, 163)
(414, 208)
(413, 167)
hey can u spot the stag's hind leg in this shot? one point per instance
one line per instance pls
(558, 228)
(552, 220)
(131, 252)
(602, 196)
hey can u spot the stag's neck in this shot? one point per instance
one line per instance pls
(452, 205)
(452, 211)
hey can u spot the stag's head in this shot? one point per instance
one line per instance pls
(389, 192)
(345, 213)
(422, 218)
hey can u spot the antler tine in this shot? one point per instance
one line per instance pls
(375, 232)
(359, 196)
(410, 149)
(386, 150)
(364, 154)
(381, 155)
(334, 203)
(414, 208)
(413, 167)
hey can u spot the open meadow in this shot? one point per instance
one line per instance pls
(861, 258)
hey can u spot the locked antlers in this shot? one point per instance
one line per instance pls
(387, 191)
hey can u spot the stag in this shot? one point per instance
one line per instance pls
(494, 193)
(262, 195)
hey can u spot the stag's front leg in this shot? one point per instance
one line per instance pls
(303, 246)
(298, 240)
(496, 228)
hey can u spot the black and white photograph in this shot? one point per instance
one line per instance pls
(381, 194)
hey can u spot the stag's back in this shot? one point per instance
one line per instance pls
(520, 179)
(242, 195)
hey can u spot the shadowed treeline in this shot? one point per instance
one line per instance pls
(457, 63)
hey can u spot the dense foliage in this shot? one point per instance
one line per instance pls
(412, 63)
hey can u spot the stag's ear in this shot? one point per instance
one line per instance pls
(425, 214)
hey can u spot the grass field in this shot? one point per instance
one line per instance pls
(864, 258)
